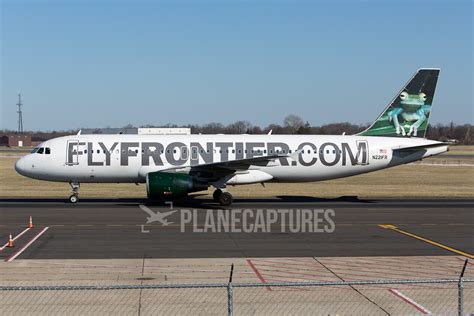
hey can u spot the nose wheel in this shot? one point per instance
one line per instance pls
(74, 198)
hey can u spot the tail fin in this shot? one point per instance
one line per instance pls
(409, 113)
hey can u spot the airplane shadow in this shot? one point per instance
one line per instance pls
(195, 201)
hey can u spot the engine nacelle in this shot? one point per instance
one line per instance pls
(160, 185)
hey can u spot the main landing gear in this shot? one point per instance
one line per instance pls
(74, 198)
(223, 197)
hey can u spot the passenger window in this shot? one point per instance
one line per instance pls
(41, 150)
(98, 151)
(47, 151)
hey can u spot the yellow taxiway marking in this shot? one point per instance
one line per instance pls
(434, 243)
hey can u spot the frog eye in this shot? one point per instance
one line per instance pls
(403, 95)
(422, 96)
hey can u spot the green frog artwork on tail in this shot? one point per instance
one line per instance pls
(408, 114)
(413, 111)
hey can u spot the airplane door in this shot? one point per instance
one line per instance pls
(72, 153)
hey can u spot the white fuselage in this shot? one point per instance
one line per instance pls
(129, 158)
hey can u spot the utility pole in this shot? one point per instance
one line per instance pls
(20, 115)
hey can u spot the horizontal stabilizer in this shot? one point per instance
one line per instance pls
(412, 148)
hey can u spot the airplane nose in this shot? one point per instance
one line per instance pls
(20, 166)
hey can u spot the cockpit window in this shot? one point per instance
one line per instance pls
(47, 150)
(34, 150)
(40, 151)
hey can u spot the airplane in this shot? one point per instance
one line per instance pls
(158, 216)
(172, 166)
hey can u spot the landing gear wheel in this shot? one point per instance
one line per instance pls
(73, 199)
(225, 199)
(217, 193)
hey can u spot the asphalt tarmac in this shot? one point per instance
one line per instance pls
(344, 227)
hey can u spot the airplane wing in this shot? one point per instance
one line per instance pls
(217, 170)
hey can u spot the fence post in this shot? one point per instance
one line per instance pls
(461, 291)
(230, 303)
(230, 296)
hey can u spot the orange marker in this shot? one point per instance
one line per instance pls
(10, 242)
(30, 225)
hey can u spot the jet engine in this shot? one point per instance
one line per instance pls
(167, 185)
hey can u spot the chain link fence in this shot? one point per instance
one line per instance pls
(379, 297)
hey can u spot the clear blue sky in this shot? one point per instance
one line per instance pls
(110, 63)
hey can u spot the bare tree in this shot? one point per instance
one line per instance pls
(239, 127)
(293, 122)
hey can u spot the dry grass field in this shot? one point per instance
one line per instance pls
(453, 179)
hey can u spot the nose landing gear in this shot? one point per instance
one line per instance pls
(74, 198)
